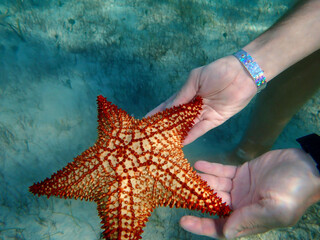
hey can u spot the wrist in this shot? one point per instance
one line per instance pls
(265, 58)
(243, 78)
(270, 53)
(252, 68)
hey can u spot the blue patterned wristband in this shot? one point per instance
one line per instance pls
(253, 69)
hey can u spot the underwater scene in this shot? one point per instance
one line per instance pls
(56, 57)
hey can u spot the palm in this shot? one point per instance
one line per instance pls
(271, 191)
(249, 186)
(226, 88)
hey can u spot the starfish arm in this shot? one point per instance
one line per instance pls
(125, 207)
(180, 118)
(175, 183)
(195, 194)
(79, 179)
(135, 166)
(111, 119)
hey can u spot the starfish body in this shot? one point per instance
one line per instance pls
(134, 167)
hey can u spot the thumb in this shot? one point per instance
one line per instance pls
(188, 91)
(185, 95)
(248, 220)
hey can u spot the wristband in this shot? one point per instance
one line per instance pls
(311, 144)
(252, 68)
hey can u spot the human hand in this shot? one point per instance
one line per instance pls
(269, 192)
(226, 88)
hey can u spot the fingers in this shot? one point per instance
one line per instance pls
(225, 197)
(218, 183)
(203, 226)
(200, 127)
(216, 169)
(197, 130)
(185, 95)
(162, 106)
(207, 120)
(219, 178)
(189, 89)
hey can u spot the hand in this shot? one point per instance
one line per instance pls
(271, 191)
(226, 88)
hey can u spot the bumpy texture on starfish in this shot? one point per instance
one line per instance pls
(134, 167)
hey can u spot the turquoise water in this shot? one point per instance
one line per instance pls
(57, 56)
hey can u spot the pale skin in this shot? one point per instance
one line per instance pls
(224, 84)
(269, 192)
(282, 183)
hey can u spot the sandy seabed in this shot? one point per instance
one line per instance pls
(57, 56)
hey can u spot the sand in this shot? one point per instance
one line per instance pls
(57, 56)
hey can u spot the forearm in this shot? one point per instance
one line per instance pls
(288, 41)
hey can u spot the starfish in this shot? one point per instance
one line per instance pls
(134, 167)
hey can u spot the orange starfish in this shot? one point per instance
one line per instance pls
(134, 167)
